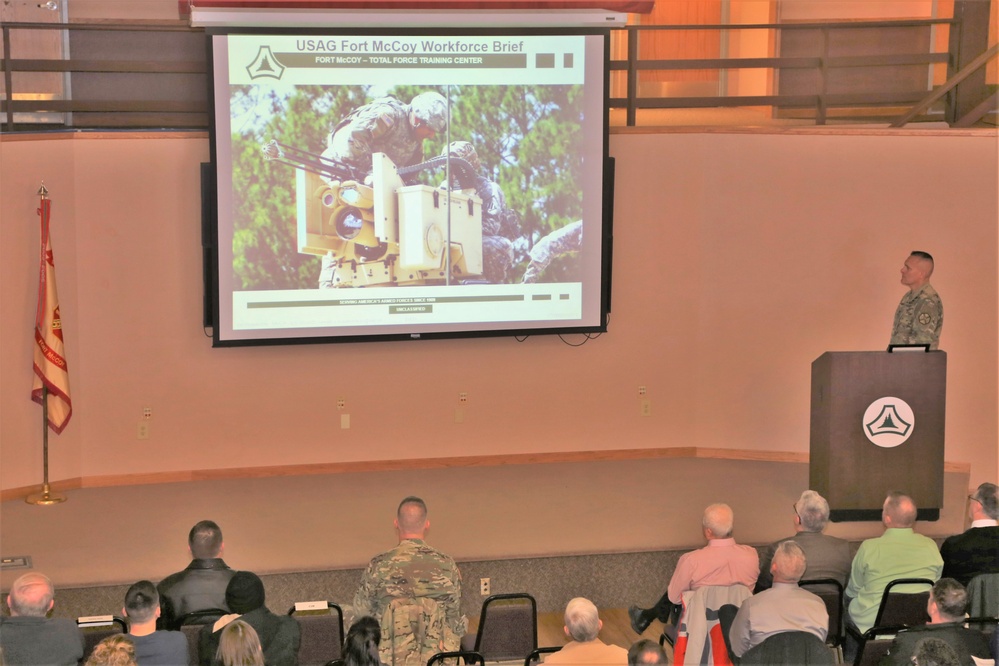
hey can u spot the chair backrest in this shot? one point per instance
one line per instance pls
(190, 625)
(508, 627)
(874, 649)
(830, 591)
(191, 633)
(321, 623)
(789, 647)
(96, 628)
(466, 656)
(904, 609)
(983, 595)
(535, 656)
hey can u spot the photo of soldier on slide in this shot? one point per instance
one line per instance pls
(514, 148)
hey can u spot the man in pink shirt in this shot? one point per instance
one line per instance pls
(721, 562)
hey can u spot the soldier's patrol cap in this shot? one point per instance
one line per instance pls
(430, 109)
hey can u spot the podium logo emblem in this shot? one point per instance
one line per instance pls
(888, 422)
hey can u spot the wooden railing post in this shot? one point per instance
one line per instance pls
(968, 39)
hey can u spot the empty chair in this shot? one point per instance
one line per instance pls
(96, 628)
(508, 628)
(789, 647)
(321, 623)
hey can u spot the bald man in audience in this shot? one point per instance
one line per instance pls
(721, 562)
(826, 556)
(28, 637)
(898, 553)
(782, 608)
(647, 652)
(201, 586)
(582, 625)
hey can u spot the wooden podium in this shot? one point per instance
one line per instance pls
(877, 426)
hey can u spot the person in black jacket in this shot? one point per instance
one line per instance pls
(976, 550)
(201, 586)
(280, 635)
(946, 607)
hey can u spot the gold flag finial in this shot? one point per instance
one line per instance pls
(42, 190)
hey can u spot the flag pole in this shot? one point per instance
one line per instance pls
(46, 497)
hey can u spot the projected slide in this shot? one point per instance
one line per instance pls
(408, 184)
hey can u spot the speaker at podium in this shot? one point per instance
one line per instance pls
(877, 425)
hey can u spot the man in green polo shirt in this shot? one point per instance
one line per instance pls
(898, 553)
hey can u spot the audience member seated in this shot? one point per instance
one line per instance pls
(782, 608)
(413, 579)
(827, 556)
(582, 625)
(152, 648)
(279, 635)
(946, 608)
(934, 652)
(721, 562)
(202, 584)
(239, 645)
(114, 650)
(975, 551)
(28, 637)
(898, 553)
(360, 648)
(646, 652)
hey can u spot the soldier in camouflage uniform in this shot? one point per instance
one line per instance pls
(919, 316)
(388, 126)
(415, 592)
(499, 223)
(567, 239)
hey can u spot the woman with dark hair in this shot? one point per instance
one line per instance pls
(239, 645)
(361, 645)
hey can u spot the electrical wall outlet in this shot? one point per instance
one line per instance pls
(484, 587)
(143, 430)
(646, 407)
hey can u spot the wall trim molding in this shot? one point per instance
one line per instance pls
(152, 478)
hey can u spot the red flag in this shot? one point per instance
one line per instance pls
(50, 358)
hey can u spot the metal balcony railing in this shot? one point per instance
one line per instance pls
(816, 72)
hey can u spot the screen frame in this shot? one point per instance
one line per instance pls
(210, 222)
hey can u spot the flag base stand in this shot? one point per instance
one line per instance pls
(46, 497)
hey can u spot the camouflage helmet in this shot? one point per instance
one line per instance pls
(430, 109)
(465, 151)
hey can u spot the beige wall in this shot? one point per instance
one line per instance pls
(739, 259)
